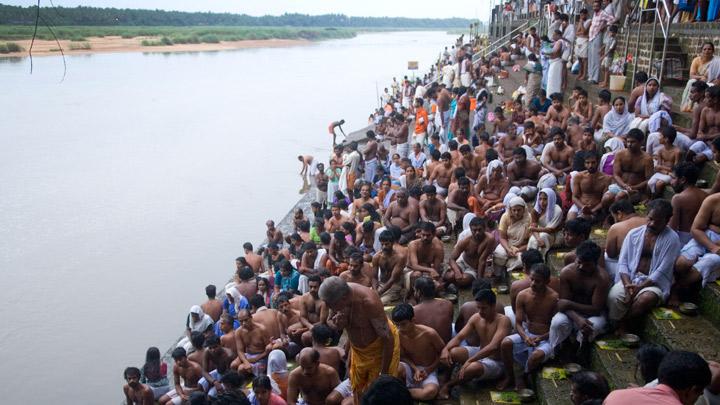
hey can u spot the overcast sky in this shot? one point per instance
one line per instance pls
(375, 8)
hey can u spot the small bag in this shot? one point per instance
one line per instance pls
(575, 67)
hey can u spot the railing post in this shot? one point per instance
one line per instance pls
(637, 42)
(656, 15)
(667, 35)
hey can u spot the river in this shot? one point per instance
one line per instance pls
(132, 184)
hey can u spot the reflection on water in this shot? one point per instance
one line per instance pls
(132, 185)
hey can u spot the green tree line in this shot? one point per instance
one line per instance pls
(93, 16)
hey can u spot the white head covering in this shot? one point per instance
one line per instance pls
(466, 226)
(614, 144)
(617, 124)
(236, 296)
(203, 322)
(551, 197)
(654, 120)
(649, 107)
(277, 363)
(492, 166)
(515, 201)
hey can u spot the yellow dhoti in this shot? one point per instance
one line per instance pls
(366, 362)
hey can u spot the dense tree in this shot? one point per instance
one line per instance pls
(92, 16)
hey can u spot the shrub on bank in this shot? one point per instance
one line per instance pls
(85, 46)
(10, 47)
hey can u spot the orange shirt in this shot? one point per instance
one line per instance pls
(473, 103)
(421, 127)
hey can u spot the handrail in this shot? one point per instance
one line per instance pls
(497, 44)
(664, 28)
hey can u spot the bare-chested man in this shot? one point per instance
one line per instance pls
(322, 337)
(637, 91)
(135, 392)
(458, 202)
(226, 327)
(334, 223)
(212, 306)
(625, 219)
(273, 321)
(374, 341)
(645, 267)
(431, 311)
(364, 198)
(529, 258)
(470, 162)
(483, 360)
(307, 162)
(253, 343)
(312, 309)
(216, 362)
(370, 156)
(314, 380)
(507, 145)
(290, 317)
(434, 210)
(686, 201)
(590, 197)
(420, 354)
(558, 156)
(524, 174)
(468, 258)
(402, 213)
(441, 175)
(246, 282)
(583, 294)
(253, 259)
(530, 346)
(359, 272)
(185, 371)
(557, 115)
(273, 234)
(425, 256)
(699, 261)
(710, 116)
(390, 264)
(632, 168)
(601, 109)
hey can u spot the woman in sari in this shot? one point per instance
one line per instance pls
(651, 101)
(410, 179)
(385, 195)
(514, 233)
(533, 78)
(547, 218)
(617, 121)
(705, 67)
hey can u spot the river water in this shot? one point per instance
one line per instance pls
(131, 185)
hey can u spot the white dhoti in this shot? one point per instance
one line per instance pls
(581, 47)
(465, 79)
(554, 83)
(611, 266)
(594, 59)
(502, 259)
(640, 123)
(561, 327)
(370, 167)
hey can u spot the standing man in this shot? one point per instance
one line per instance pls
(600, 21)
(421, 123)
(374, 340)
(370, 156)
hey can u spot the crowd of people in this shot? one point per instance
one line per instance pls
(354, 304)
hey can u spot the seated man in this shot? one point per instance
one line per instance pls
(583, 293)
(246, 282)
(441, 175)
(687, 199)
(557, 157)
(287, 279)
(645, 267)
(314, 380)
(359, 272)
(185, 371)
(420, 348)
(524, 174)
(404, 214)
(625, 219)
(589, 191)
(458, 202)
(632, 168)
(469, 257)
(216, 362)
(557, 115)
(529, 258)
(431, 311)
(699, 261)
(425, 256)
(212, 306)
(470, 162)
(313, 310)
(434, 210)
(253, 259)
(483, 361)
(389, 264)
(530, 346)
(575, 232)
(588, 386)
(135, 392)
(253, 345)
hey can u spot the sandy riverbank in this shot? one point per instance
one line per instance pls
(119, 44)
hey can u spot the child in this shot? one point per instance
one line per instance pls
(608, 54)
(587, 143)
(582, 108)
(574, 95)
(532, 138)
(600, 111)
(574, 132)
(666, 157)
(484, 145)
(518, 115)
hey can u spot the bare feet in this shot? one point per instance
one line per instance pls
(444, 392)
(504, 384)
